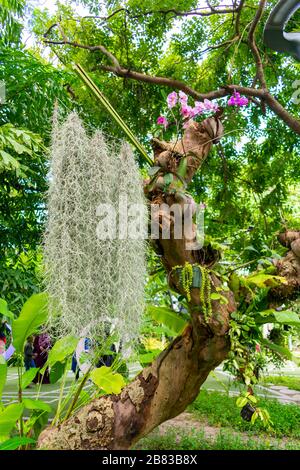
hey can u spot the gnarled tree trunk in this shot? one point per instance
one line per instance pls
(165, 388)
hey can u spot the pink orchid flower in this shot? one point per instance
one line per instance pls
(162, 121)
(187, 111)
(183, 98)
(172, 99)
(237, 100)
(199, 107)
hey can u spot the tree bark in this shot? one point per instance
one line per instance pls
(288, 267)
(159, 393)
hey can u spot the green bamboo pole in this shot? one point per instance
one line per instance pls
(103, 100)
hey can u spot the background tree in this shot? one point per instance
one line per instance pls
(32, 85)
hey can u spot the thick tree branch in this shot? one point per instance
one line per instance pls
(201, 11)
(288, 267)
(261, 93)
(238, 18)
(253, 46)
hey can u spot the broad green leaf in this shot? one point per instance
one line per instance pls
(18, 148)
(31, 404)
(28, 377)
(15, 442)
(3, 375)
(287, 317)
(33, 315)
(56, 372)
(167, 317)
(9, 417)
(4, 310)
(3, 307)
(271, 316)
(241, 401)
(252, 398)
(265, 280)
(63, 348)
(106, 379)
(148, 357)
(281, 350)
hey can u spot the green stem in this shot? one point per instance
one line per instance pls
(103, 100)
(56, 417)
(78, 391)
(20, 398)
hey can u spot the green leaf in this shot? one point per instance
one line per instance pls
(254, 417)
(8, 160)
(168, 178)
(9, 417)
(28, 377)
(182, 167)
(281, 350)
(4, 310)
(252, 398)
(167, 317)
(3, 307)
(241, 401)
(31, 404)
(19, 148)
(3, 375)
(33, 315)
(221, 298)
(107, 380)
(271, 316)
(287, 318)
(265, 280)
(15, 442)
(63, 348)
(56, 372)
(148, 357)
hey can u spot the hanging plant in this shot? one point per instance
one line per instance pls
(196, 276)
(95, 283)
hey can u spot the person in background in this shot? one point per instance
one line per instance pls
(41, 347)
(2, 343)
(28, 354)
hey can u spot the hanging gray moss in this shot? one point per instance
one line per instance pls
(92, 282)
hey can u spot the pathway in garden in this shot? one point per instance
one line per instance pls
(217, 381)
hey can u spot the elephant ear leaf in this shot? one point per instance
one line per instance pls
(32, 316)
(108, 380)
(168, 317)
(262, 280)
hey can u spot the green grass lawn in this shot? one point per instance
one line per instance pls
(220, 410)
(292, 383)
(224, 440)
